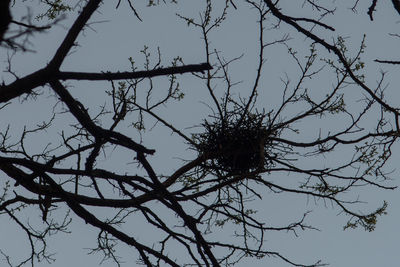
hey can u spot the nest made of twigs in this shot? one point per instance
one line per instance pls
(238, 144)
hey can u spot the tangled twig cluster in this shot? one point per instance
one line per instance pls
(237, 143)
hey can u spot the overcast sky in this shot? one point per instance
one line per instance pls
(115, 35)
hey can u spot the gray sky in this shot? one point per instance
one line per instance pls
(114, 35)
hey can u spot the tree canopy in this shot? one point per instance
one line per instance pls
(190, 146)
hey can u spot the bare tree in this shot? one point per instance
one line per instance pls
(236, 152)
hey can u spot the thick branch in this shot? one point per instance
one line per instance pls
(394, 62)
(84, 119)
(39, 78)
(371, 9)
(110, 76)
(23, 85)
(5, 17)
(396, 5)
(73, 33)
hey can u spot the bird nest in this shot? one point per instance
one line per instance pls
(237, 145)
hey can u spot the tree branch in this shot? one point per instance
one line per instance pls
(111, 76)
(73, 33)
